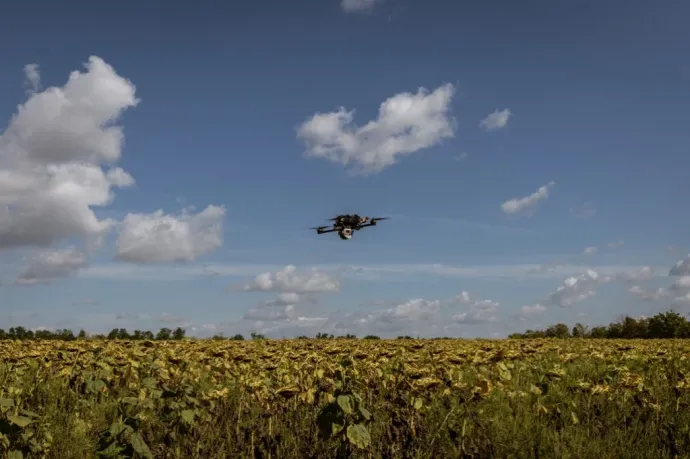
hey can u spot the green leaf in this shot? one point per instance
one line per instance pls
(187, 416)
(6, 402)
(140, 446)
(116, 428)
(149, 382)
(345, 403)
(418, 403)
(336, 428)
(366, 414)
(97, 385)
(358, 435)
(21, 421)
(28, 413)
(15, 454)
(130, 400)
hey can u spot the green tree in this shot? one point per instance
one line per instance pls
(179, 333)
(558, 331)
(164, 334)
(579, 330)
(668, 325)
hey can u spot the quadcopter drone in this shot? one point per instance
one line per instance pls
(346, 224)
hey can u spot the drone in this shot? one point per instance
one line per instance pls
(346, 224)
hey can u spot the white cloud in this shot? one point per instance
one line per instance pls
(642, 274)
(285, 299)
(576, 289)
(294, 290)
(480, 311)
(681, 268)
(420, 316)
(159, 237)
(57, 158)
(293, 326)
(406, 124)
(590, 250)
(681, 283)
(404, 272)
(497, 119)
(527, 204)
(33, 78)
(51, 155)
(646, 295)
(47, 266)
(285, 312)
(358, 6)
(288, 280)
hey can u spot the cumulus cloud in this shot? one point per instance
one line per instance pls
(295, 325)
(57, 164)
(497, 119)
(159, 237)
(358, 6)
(271, 314)
(406, 123)
(656, 295)
(681, 283)
(418, 316)
(527, 204)
(479, 311)
(576, 289)
(681, 268)
(642, 274)
(33, 78)
(288, 280)
(590, 250)
(295, 289)
(47, 266)
(51, 155)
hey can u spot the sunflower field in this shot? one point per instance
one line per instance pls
(330, 398)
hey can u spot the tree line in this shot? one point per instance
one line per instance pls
(164, 334)
(65, 334)
(668, 324)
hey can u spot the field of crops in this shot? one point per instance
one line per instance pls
(331, 398)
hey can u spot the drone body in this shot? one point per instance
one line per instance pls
(344, 225)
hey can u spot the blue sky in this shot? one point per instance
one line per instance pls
(245, 108)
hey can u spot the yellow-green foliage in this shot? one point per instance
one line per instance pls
(345, 398)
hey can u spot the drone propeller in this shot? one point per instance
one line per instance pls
(318, 228)
(379, 218)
